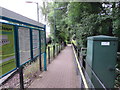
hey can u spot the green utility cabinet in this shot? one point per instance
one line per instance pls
(101, 56)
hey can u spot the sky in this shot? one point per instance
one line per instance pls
(26, 9)
(21, 7)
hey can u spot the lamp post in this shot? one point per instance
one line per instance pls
(37, 8)
(60, 8)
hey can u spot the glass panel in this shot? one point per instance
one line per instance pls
(24, 44)
(42, 41)
(35, 36)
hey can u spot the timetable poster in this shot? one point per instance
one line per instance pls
(7, 49)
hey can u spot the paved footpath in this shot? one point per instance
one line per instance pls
(61, 72)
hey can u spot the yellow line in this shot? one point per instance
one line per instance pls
(79, 67)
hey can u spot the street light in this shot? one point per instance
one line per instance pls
(60, 8)
(37, 8)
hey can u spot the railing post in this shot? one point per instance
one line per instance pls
(31, 44)
(48, 54)
(40, 62)
(56, 50)
(61, 46)
(53, 51)
(21, 78)
(78, 53)
(45, 60)
(16, 36)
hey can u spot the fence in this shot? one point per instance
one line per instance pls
(53, 51)
(81, 55)
(81, 63)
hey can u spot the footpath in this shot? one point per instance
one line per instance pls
(61, 73)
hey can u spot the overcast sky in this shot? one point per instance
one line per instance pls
(20, 6)
(26, 9)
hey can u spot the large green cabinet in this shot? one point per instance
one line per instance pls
(101, 56)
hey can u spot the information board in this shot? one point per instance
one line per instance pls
(7, 50)
(35, 37)
(24, 44)
(42, 41)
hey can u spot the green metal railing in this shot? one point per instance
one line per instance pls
(53, 51)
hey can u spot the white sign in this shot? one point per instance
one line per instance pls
(105, 43)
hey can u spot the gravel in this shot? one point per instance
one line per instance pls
(14, 82)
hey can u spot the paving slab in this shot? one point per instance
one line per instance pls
(61, 72)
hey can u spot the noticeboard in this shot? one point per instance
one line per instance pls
(35, 37)
(20, 41)
(24, 44)
(7, 49)
(42, 41)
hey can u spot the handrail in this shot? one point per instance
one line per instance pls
(79, 67)
(96, 77)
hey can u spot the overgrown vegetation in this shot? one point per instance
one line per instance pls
(79, 20)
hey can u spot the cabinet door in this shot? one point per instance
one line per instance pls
(105, 54)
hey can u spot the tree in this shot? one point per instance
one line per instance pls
(83, 19)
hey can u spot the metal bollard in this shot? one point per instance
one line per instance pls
(21, 78)
(56, 50)
(53, 51)
(48, 54)
(40, 63)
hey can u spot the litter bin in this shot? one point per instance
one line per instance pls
(101, 56)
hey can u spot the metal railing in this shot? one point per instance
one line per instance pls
(81, 62)
(53, 51)
(80, 69)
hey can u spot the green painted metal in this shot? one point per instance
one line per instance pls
(40, 62)
(31, 44)
(45, 55)
(101, 56)
(45, 62)
(16, 37)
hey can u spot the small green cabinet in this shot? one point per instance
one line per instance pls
(101, 56)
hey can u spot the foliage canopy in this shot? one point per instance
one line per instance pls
(78, 20)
